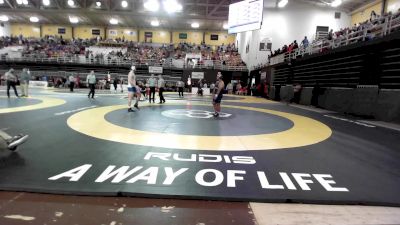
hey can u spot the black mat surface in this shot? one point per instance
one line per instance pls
(363, 160)
(195, 121)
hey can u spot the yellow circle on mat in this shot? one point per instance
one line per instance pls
(305, 131)
(45, 103)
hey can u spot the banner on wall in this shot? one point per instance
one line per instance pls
(148, 34)
(193, 56)
(113, 32)
(197, 75)
(155, 69)
(263, 76)
(182, 35)
(130, 32)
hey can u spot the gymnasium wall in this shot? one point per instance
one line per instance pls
(5, 29)
(223, 38)
(25, 30)
(129, 34)
(85, 32)
(283, 26)
(364, 13)
(52, 30)
(392, 6)
(191, 37)
(158, 36)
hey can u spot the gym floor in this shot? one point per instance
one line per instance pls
(183, 166)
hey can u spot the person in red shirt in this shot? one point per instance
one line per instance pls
(290, 49)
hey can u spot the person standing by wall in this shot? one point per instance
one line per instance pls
(147, 89)
(305, 42)
(180, 85)
(71, 83)
(152, 85)
(229, 86)
(11, 79)
(91, 81)
(161, 86)
(121, 84)
(25, 77)
(296, 93)
(115, 83)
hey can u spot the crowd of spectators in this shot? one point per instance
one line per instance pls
(141, 53)
(227, 55)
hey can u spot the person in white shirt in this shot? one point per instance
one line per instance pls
(133, 89)
(91, 81)
(212, 86)
(230, 88)
(161, 86)
(152, 85)
(180, 86)
(71, 83)
(24, 82)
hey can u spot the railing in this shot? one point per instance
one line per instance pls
(379, 30)
(49, 75)
(76, 59)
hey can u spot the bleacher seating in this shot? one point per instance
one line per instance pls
(93, 51)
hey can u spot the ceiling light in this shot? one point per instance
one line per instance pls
(113, 21)
(124, 4)
(1, 2)
(336, 3)
(3, 18)
(171, 6)
(98, 4)
(71, 3)
(19, 2)
(155, 23)
(73, 19)
(46, 2)
(226, 26)
(34, 19)
(152, 5)
(195, 25)
(282, 3)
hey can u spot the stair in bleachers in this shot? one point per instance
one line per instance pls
(390, 77)
(374, 62)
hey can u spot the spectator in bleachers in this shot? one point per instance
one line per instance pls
(369, 36)
(373, 16)
(305, 43)
(295, 45)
